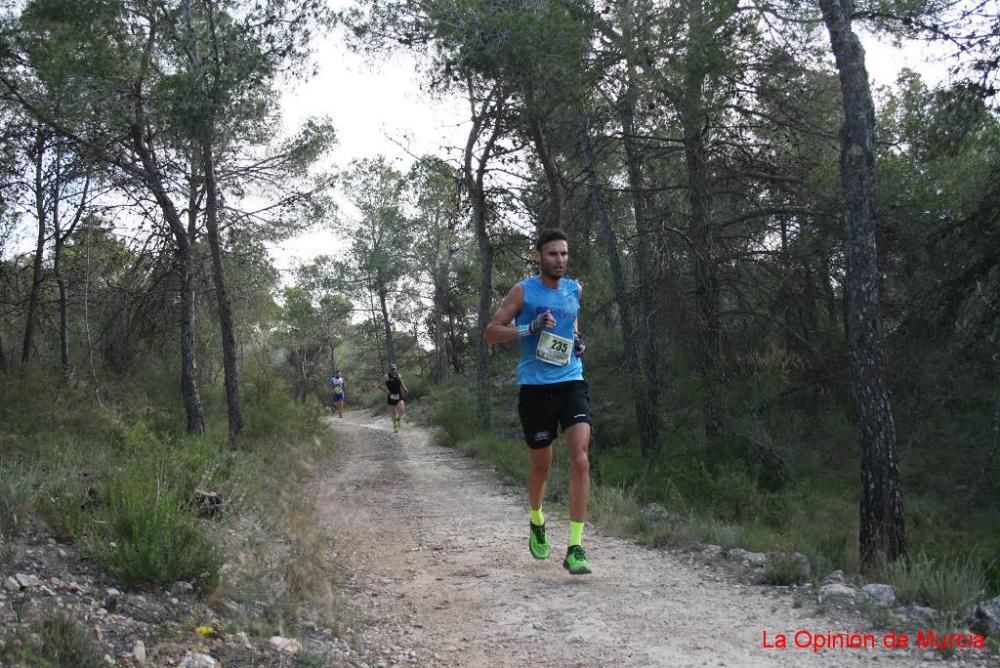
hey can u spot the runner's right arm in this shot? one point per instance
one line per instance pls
(501, 327)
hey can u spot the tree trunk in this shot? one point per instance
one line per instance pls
(475, 184)
(63, 309)
(536, 130)
(708, 321)
(229, 347)
(390, 348)
(485, 304)
(607, 232)
(184, 240)
(440, 342)
(882, 533)
(3, 355)
(649, 428)
(60, 236)
(37, 275)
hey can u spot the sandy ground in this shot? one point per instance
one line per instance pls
(434, 551)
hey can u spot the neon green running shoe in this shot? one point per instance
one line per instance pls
(576, 561)
(537, 542)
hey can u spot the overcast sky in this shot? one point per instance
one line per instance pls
(377, 109)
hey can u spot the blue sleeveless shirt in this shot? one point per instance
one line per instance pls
(564, 302)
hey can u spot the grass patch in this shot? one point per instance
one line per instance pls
(783, 569)
(709, 530)
(18, 483)
(947, 586)
(56, 641)
(147, 535)
(879, 616)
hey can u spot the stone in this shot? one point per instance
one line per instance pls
(139, 652)
(196, 660)
(985, 617)
(180, 588)
(285, 645)
(654, 513)
(836, 593)
(751, 559)
(920, 615)
(711, 550)
(882, 594)
(834, 577)
(11, 584)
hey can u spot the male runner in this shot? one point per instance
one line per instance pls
(541, 312)
(338, 393)
(395, 388)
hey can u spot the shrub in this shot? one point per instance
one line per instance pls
(715, 532)
(783, 569)
(948, 586)
(17, 485)
(56, 641)
(953, 585)
(148, 537)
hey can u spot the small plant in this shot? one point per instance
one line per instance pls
(948, 586)
(715, 532)
(7, 554)
(783, 569)
(16, 492)
(311, 659)
(951, 586)
(148, 537)
(907, 577)
(879, 616)
(55, 641)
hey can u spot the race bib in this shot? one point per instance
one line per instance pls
(553, 349)
(394, 397)
(337, 389)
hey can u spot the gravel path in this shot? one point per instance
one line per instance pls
(436, 566)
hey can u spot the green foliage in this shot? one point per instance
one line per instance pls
(879, 616)
(57, 641)
(17, 490)
(120, 482)
(148, 535)
(946, 585)
(711, 531)
(305, 659)
(783, 569)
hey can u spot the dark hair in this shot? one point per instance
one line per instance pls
(546, 236)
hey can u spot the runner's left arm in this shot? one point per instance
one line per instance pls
(579, 345)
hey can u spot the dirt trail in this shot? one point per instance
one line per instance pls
(435, 551)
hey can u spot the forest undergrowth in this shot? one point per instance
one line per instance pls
(119, 479)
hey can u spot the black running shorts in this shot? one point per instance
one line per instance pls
(544, 408)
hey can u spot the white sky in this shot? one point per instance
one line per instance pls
(377, 109)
